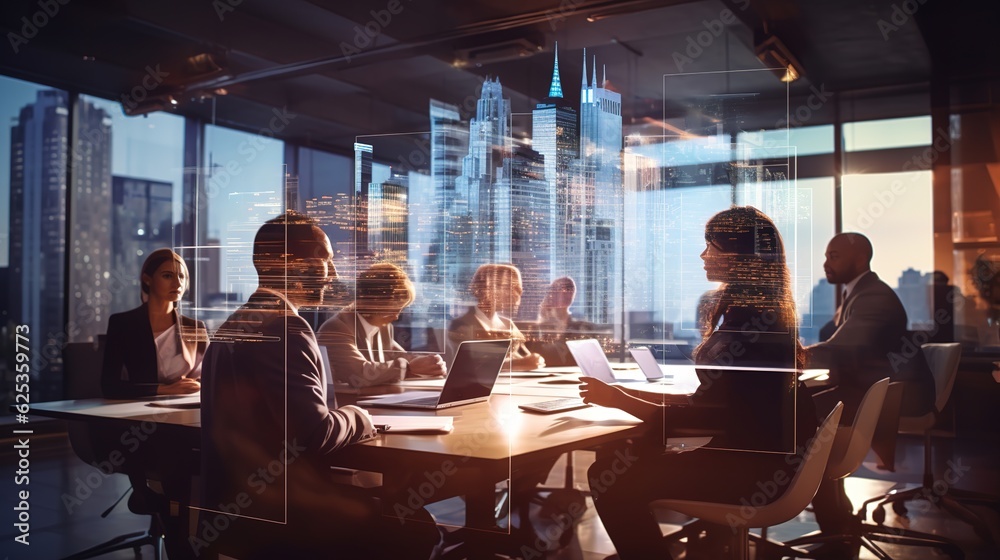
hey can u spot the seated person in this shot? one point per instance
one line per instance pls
(753, 323)
(268, 436)
(497, 289)
(556, 324)
(152, 350)
(359, 340)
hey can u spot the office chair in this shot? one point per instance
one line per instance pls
(849, 450)
(82, 362)
(943, 359)
(800, 492)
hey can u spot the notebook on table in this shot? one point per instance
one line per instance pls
(470, 379)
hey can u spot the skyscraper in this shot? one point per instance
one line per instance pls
(554, 135)
(362, 180)
(589, 231)
(388, 219)
(141, 214)
(448, 267)
(39, 153)
(487, 192)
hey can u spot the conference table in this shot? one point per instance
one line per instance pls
(491, 442)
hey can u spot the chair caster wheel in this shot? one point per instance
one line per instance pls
(899, 508)
(878, 514)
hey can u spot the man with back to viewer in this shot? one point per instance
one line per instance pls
(268, 435)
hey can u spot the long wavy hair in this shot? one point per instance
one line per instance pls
(758, 281)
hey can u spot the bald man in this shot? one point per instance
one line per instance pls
(867, 341)
(868, 332)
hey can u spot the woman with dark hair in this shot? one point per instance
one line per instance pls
(153, 350)
(749, 321)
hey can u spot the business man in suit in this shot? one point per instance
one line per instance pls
(359, 340)
(268, 435)
(497, 289)
(868, 343)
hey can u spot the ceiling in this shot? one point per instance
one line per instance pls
(314, 58)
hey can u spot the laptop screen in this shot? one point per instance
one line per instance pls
(745, 409)
(474, 371)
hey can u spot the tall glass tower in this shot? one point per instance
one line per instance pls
(554, 136)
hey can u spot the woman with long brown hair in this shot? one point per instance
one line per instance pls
(749, 321)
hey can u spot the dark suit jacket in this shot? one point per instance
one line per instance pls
(871, 342)
(264, 406)
(343, 339)
(550, 341)
(130, 368)
(741, 407)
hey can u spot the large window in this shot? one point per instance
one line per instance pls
(882, 206)
(127, 177)
(33, 157)
(244, 183)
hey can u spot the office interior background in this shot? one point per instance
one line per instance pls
(581, 138)
(443, 139)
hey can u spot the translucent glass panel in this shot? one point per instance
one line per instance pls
(887, 133)
(883, 206)
(34, 152)
(244, 184)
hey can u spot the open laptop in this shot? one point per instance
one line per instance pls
(593, 363)
(470, 379)
(648, 364)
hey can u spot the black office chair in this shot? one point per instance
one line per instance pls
(82, 363)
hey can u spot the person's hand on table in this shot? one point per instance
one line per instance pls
(183, 386)
(430, 365)
(528, 363)
(595, 391)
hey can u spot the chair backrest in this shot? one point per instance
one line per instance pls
(853, 442)
(807, 479)
(887, 426)
(82, 366)
(943, 359)
(82, 369)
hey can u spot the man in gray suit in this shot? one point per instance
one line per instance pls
(359, 340)
(868, 342)
(268, 435)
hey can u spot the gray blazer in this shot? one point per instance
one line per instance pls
(345, 343)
